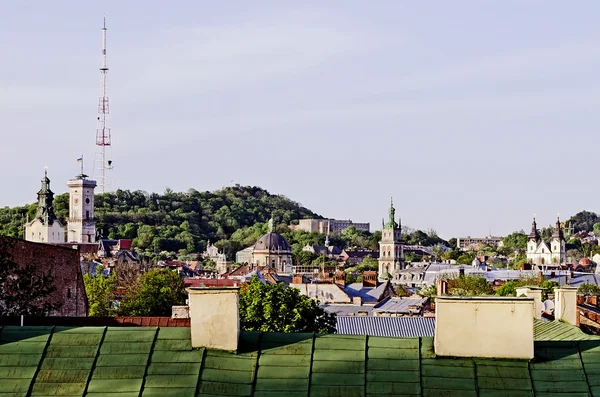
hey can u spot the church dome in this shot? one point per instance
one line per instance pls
(272, 242)
(585, 262)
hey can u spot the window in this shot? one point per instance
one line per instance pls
(543, 250)
(68, 292)
(87, 200)
(87, 214)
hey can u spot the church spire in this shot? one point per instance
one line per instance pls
(558, 232)
(45, 210)
(392, 214)
(534, 235)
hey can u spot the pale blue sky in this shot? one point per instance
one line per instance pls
(474, 115)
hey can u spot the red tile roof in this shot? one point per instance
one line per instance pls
(210, 282)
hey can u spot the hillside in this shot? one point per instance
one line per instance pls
(172, 222)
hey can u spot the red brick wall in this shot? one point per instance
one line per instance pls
(64, 263)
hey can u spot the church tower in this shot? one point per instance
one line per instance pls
(534, 238)
(391, 254)
(558, 244)
(82, 226)
(45, 228)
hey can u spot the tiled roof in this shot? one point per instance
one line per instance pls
(123, 362)
(400, 327)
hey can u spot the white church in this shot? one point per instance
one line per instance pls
(546, 253)
(81, 225)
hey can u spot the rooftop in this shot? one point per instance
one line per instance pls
(152, 361)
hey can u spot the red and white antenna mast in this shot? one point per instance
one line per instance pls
(103, 139)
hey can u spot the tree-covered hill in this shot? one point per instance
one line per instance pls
(172, 222)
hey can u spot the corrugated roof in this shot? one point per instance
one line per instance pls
(122, 362)
(557, 331)
(400, 327)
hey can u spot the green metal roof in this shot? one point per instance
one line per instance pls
(558, 330)
(148, 361)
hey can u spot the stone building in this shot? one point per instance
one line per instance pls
(45, 228)
(546, 253)
(81, 225)
(391, 254)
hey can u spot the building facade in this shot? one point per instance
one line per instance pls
(45, 228)
(465, 242)
(81, 225)
(391, 254)
(326, 226)
(546, 253)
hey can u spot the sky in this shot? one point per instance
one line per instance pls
(473, 115)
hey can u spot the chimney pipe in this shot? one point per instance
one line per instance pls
(214, 317)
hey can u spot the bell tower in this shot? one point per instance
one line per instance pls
(82, 225)
(391, 254)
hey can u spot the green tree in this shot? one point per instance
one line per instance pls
(99, 291)
(24, 290)
(369, 263)
(508, 289)
(589, 290)
(278, 308)
(402, 292)
(516, 240)
(466, 258)
(583, 220)
(154, 294)
(468, 285)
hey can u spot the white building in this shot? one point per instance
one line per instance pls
(45, 228)
(326, 226)
(546, 253)
(81, 225)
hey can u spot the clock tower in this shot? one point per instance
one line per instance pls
(82, 225)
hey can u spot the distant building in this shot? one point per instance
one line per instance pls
(82, 225)
(211, 252)
(391, 255)
(45, 228)
(356, 257)
(325, 226)
(271, 249)
(245, 255)
(465, 242)
(546, 253)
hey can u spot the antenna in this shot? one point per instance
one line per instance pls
(103, 137)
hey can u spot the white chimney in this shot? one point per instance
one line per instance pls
(473, 327)
(565, 304)
(536, 294)
(214, 317)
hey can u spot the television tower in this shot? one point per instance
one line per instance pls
(103, 141)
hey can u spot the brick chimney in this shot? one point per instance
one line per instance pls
(214, 317)
(441, 287)
(340, 278)
(297, 279)
(370, 279)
